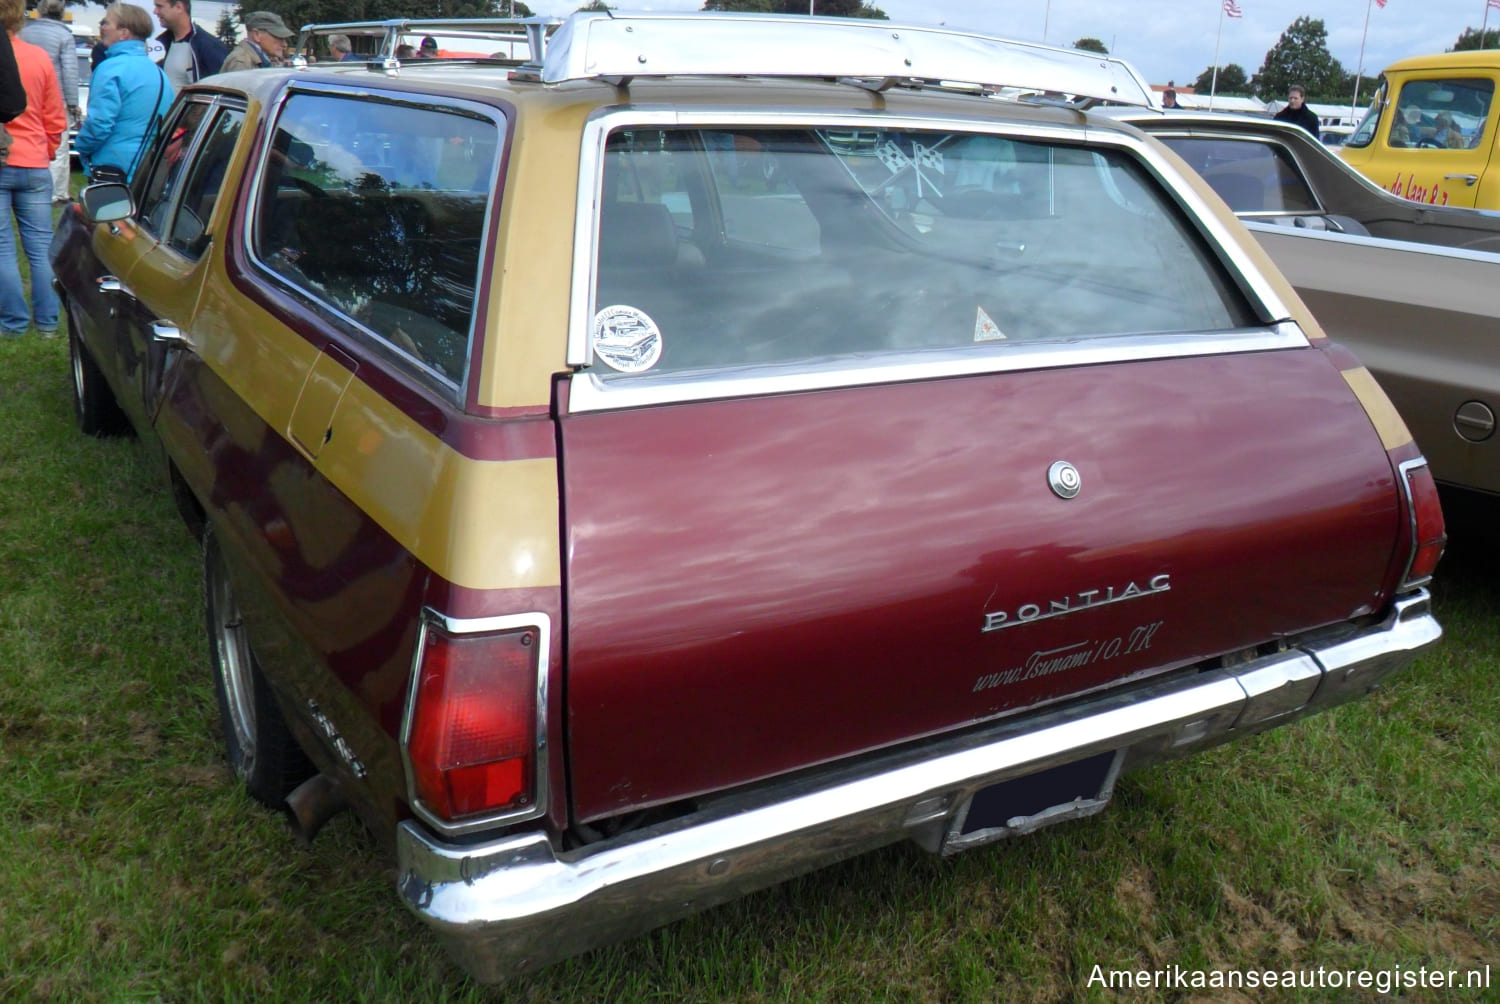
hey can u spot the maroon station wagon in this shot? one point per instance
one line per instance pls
(707, 447)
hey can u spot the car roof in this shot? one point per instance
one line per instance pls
(1465, 60)
(494, 83)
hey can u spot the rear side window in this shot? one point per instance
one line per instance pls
(1253, 177)
(378, 210)
(1447, 114)
(726, 248)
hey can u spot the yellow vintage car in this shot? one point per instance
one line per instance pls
(1429, 135)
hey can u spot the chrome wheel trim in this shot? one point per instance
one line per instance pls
(232, 650)
(76, 358)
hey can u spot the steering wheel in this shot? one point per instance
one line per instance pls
(1427, 144)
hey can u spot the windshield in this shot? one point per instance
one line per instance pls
(1365, 134)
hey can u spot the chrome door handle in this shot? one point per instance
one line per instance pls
(167, 333)
(1467, 179)
(109, 284)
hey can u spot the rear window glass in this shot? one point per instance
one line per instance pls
(748, 247)
(1251, 176)
(378, 210)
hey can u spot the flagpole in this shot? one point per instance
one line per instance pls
(1485, 23)
(1213, 85)
(1046, 18)
(1358, 73)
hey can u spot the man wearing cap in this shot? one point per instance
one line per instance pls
(341, 50)
(264, 43)
(428, 49)
(192, 53)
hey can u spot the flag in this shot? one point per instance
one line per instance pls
(1232, 8)
(1495, 4)
(1381, 3)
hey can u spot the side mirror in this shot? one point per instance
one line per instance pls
(106, 202)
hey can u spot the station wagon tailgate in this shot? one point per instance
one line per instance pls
(783, 549)
(759, 585)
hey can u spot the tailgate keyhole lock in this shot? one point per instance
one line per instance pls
(1064, 479)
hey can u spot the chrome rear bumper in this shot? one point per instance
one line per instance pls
(511, 905)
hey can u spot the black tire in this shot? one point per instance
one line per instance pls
(94, 404)
(257, 742)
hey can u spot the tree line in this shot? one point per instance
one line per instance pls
(1301, 56)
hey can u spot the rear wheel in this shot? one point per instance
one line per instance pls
(257, 741)
(94, 404)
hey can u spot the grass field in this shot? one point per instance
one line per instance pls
(132, 868)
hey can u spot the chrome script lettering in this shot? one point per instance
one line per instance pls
(998, 620)
(1074, 656)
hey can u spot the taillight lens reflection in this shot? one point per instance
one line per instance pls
(473, 737)
(1429, 533)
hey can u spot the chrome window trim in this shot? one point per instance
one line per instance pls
(589, 393)
(1383, 243)
(480, 625)
(1271, 141)
(457, 391)
(189, 156)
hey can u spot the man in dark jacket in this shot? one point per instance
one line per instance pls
(192, 53)
(1296, 112)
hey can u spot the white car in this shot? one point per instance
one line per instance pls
(85, 54)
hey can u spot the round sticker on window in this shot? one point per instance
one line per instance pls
(626, 339)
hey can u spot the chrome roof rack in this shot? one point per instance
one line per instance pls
(618, 47)
(531, 32)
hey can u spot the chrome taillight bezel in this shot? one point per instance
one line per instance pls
(430, 618)
(1405, 470)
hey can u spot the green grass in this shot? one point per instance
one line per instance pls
(132, 867)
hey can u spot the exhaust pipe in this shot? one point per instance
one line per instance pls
(311, 805)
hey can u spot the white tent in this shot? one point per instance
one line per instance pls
(1223, 103)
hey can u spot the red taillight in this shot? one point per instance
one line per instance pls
(472, 743)
(1429, 533)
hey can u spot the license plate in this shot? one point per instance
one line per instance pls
(1023, 804)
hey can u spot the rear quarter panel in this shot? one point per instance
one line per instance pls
(1426, 324)
(390, 500)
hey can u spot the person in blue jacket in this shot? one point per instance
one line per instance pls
(128, 96)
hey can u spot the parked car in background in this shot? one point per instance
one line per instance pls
(1408, 287)
(1430, 132)
(1335, 136)
(85, 74)
(635, 477)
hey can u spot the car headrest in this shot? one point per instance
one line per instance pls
(637, 234)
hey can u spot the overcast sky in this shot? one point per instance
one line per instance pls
(1175, 41)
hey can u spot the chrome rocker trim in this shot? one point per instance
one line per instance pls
(511, 905)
